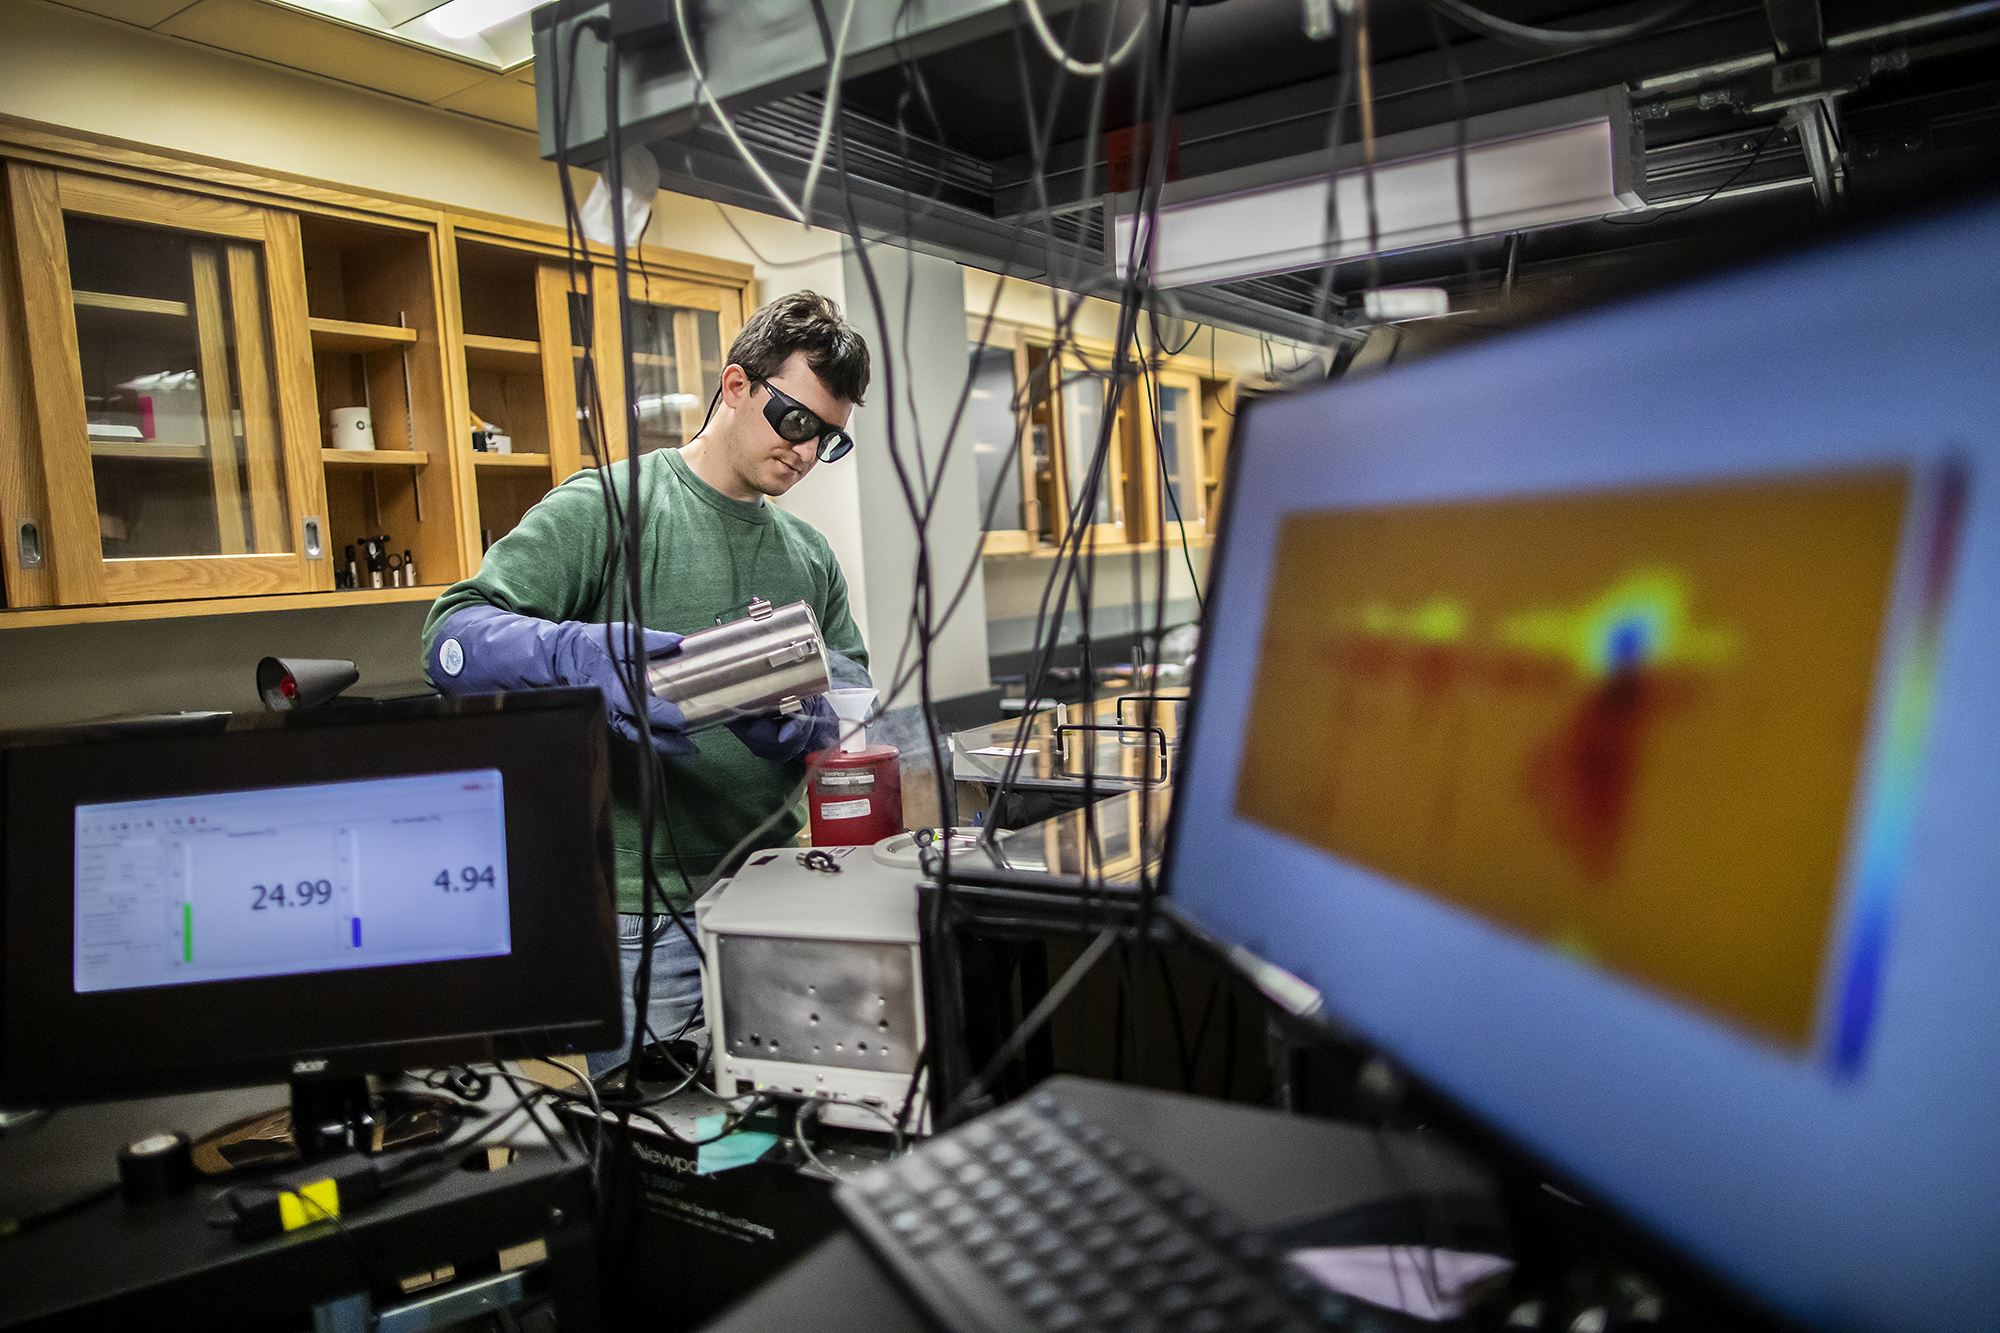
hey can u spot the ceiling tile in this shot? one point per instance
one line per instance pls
(302, 41)
(499, 99)
(145, 13)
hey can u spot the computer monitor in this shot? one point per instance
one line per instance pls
(1605, 719)
(311, 895)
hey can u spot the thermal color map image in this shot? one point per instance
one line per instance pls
(1627, 725)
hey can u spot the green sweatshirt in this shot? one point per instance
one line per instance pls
(704, 555)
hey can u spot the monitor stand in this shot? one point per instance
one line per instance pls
(331, 1116)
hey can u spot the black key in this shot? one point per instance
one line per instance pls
(1042, 1103)
(1057, 1200)
(1043, 1244)
(944, 1200)
(1114, 1306)
(1204, 1321)
(1020, 1169)
(1166, 1189)
(998, 1254)
(970, 1174)
(1022, 1224)
(977, 1135)
(1061, 1318)
(906, 1221)
(1079, 1174)
(1146, 1279)
(1194, 1270)
(893, 1200)
(1089, 1286)
(1150, 1227)
(1104, 1192)
(999, 1154)
(1171, 1249)
(1068, 1264)
(1227, 1290)
(924, 1237)
(1038, 1187)
(1004, 1208)
(1038, 1294)
(986, 1191)
(1174, 1300)
(1123, 1258)
(979, 1233)
(1140, 1323)
(1077, 1218)
(1124, 1210)
(1098, 1239)
(963, 1216)
(1018, 1273)
(949, 1153)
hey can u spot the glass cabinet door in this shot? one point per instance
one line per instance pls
(680, 333)
(1084, 394)
(162, 376)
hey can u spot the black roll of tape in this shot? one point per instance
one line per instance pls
(159, 1166)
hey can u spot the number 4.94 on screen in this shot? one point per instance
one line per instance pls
(469, 878)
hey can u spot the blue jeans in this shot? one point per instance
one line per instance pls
(676, 988)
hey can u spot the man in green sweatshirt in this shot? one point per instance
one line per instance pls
(536, 614)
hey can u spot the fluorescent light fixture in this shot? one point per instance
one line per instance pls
(1564, 172)
(467, 18)
(495, 33)
(1388, 304)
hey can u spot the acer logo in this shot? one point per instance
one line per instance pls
(308, 1066)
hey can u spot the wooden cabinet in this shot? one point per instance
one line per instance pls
(1035, 418)
(166, 341)
(175, 335)
(544, 364)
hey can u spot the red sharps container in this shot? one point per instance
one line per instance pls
(856, 798)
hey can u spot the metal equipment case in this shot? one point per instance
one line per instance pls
(813, 985)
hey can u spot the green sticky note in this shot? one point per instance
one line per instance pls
(738, 1149)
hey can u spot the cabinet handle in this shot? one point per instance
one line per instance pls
(315, 549)
(30, 545)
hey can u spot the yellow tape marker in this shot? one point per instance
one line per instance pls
(313, 1203)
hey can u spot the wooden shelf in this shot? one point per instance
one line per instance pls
(138, 305)
(142, 449)
(346, 335)
(483, 459)
(508, 355)
(212, 606)
(374, 457)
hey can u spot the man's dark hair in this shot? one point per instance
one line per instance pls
(804, 322)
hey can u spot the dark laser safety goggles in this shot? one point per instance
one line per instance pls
(797, 423)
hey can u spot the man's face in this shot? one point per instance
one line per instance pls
(767, 462)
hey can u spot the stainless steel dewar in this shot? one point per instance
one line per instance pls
(767, 662)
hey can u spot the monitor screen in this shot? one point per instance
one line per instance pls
(316, 893)
(1603, 720)
(277, 881)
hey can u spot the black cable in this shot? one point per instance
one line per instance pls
(1560, 39)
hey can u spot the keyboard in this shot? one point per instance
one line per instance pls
(1034, 1220)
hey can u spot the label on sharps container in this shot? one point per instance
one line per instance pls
(451, 657)
(848, 779)
(843, 810)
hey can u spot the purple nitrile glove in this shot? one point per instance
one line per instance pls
(783, 737)
(483, 648)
